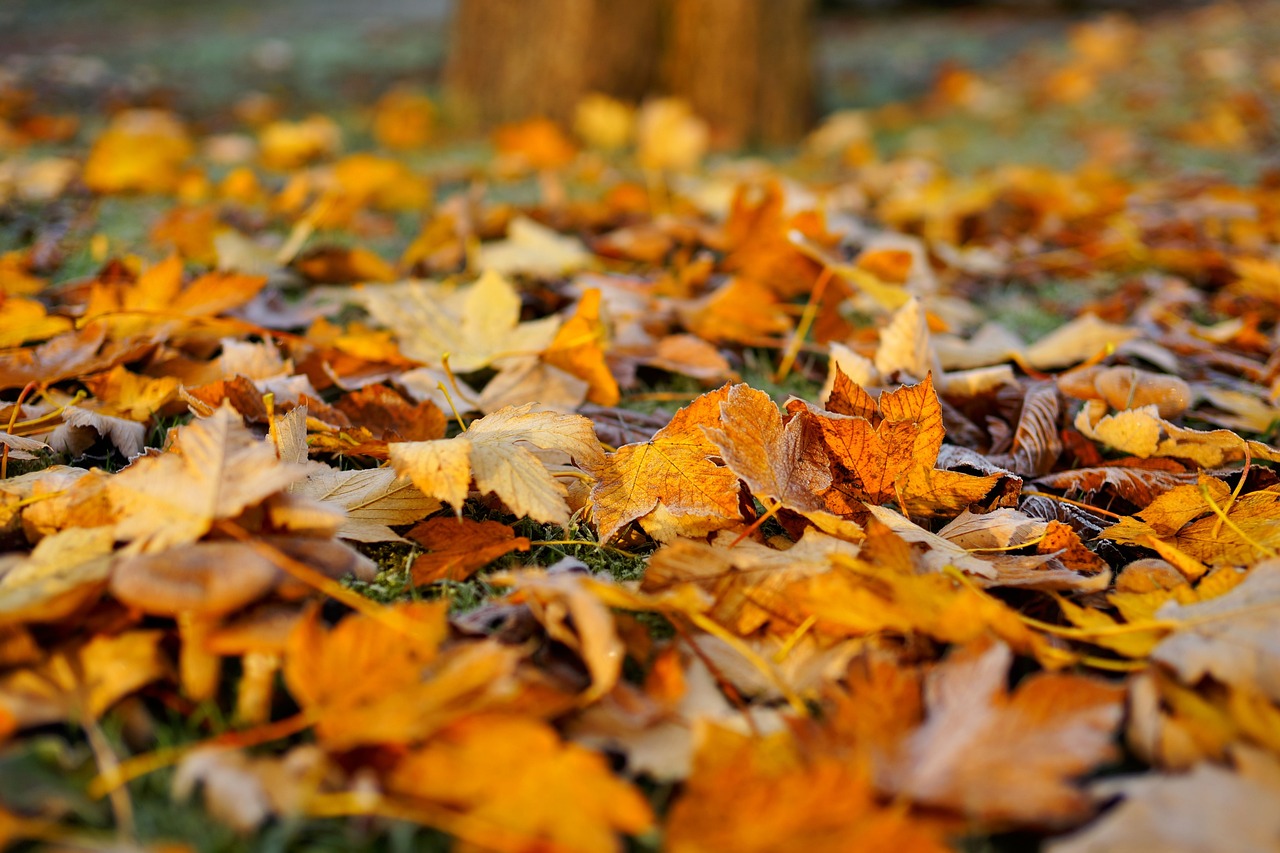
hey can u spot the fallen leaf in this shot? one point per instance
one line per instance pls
(571, 615)
(1005, 757)
(173, 498)
(579, 349)
(372, 500)
(475, 325)
(514, 775)
(140, 151)
(384, 679)
(673, 470)
(458, 547)
(1187, 812)
(81, 679)
(890, 457)
(1229, 637)
(243, 791)
(1143, 433)
(779, 463)
(510, 453)
(533, 249)
(768, 793)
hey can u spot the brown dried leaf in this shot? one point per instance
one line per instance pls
(1005, 757)
(459, 547)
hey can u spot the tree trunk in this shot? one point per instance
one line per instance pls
(513, 59)
(744, 65)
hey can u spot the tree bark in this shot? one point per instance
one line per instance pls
(744, 65)
(513, 59)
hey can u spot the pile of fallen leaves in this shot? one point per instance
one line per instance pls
(979, 582)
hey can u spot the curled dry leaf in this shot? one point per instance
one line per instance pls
(1143, 433)
(574, 616)
(1128, 388)
(1036, 443)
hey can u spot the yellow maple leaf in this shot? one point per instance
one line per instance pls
(512, 453)
(475, 325)
(1206, 524)
(672, 471)
(578, 349)
(27, 320)
(158, 303)
(174, 498)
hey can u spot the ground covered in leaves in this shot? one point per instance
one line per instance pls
(584, 489)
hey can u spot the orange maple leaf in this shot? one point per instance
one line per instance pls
(888, 453)
(781, 463)
(515, 776)
(759, 248)
(753, 795)
(578, 349)
(384, 679)
(673, 474)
